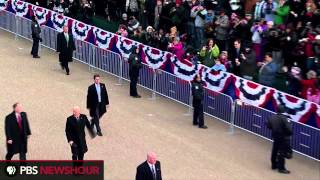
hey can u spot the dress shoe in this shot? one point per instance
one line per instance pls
(203, 127)
(68, 73)
(99, 133)
(284, 171)
(137, 96)
(36, 56)
(195, 124)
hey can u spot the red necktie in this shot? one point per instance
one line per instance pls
(19, 121)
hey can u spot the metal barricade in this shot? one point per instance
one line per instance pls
(218, 105)
(250, 118)
(172, 87)
(305, 139)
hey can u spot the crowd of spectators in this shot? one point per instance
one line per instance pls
(276, 43)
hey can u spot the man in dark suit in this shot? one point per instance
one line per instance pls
(150, 169)
(97, 102)
(65, 47)
(17, 132)
(197, 102)
(76, 135)
(135, 65)
(236, 56)
(281, 135)
(35, 30)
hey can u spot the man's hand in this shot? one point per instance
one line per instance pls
(70, 142)
(9, 141)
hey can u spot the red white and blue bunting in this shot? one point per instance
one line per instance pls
(252, 93)
(154, 57)
(21, 8)
(125, 46)
(102, 38)
(42, 14)
(58, 21)
(247, 91)
(215, 80)
(184, 69)
(3, 4)
(80, 30)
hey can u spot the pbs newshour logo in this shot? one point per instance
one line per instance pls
(11, 171)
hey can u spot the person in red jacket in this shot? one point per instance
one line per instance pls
(310, 82)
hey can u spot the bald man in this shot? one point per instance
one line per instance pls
(76, 135)
(150, 169)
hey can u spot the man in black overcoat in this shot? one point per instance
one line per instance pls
(97, 102)
(36, 38)
(65, 47)
(76, 135)
(135, 64)
(17, 132)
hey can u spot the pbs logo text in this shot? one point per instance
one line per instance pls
(22, 170)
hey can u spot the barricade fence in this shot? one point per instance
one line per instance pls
(221, 106)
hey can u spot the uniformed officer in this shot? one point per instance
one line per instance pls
(197, 93)
(281, 134)
(36, 30)
(135, 64)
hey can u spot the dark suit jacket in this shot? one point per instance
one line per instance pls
(233, 55)
(35, 30)
(144, 171)
(75, 132)
(66, 50)
(13, 132)
(92, 99)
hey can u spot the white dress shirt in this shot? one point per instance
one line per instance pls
(98, 88)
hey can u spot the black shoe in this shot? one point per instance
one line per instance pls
(137, 96)
(36, 56)
(274, 167)
(68, 73)
(195, 124)
(284, 171)
(203, 127)
(99, 133)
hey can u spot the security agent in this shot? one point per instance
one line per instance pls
(135, 64)
(197, 93)
(281, 135)
(35, 30)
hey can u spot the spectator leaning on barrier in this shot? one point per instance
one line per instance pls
(268, 71)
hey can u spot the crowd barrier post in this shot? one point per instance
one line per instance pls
(16, 27)
(91, 58)
(154, 84)
(233, 111)
(190, 101)
(120, 73)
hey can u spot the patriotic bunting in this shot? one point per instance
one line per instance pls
(58, 21)
(42, 14)
(236, 87)
(21, 8)
(3, 4)
(80, 30)
(102, 38)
